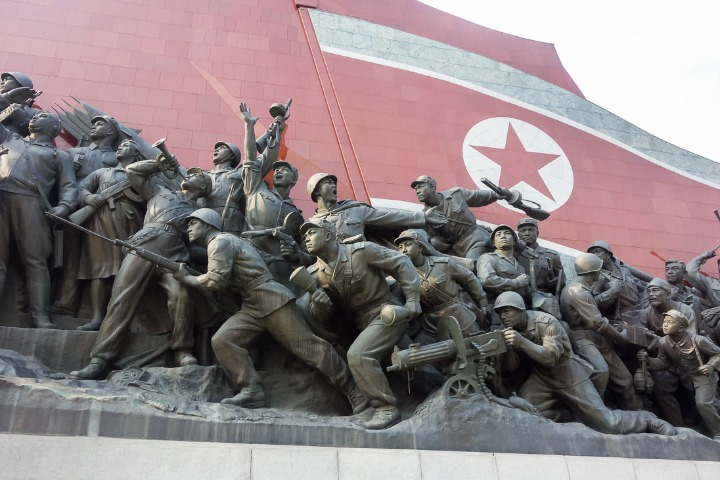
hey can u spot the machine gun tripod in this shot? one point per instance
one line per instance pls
(464, 361)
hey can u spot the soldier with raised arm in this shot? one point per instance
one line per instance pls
(17, 91)
(162, 232)
(452, 227)
(30, 169)
(268, 206)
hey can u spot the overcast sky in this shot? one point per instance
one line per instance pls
(655, 63)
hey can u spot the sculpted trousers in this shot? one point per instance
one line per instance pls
(667, 383)
(23, 223)
(373, 344)
(130, 283)
(610, 369)
(584, 400)
(288, 328)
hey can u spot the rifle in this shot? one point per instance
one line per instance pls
(107, 195)
(287, 233)
(145, 254)
(535, 212)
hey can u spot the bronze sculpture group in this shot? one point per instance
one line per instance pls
(348, 285)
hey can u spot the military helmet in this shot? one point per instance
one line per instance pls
(602, 244)
(587, 263)
(316, 222)
(509, 299)
(313, 183)
(235, 149)
(424, 179)
(502, 227)
(20, 78)
(677, 315)
(419, 236)
(110, 121)
(661, 283)
(209, 216)
(283, 163)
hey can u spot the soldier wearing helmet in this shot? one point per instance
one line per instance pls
(355, 286)
(689, 360)
(266, 306)
(350, 217)
(625, 299)
(442, 280)
(30, 169)
(452, 227)
(594, 337)
(499, 271)
(559, 380)
(227, 196)
(162, 231)
(16, 98)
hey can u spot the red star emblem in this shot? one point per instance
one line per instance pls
(519, 165)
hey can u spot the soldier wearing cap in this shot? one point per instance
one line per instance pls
(442, 280)
(687, 359)
(660, 297)
(627, 293)
(106, 135)
(547, 264)
(227, 196)
(267, 306)
(30, 169)
(452, 227)
(351, 218)
(594, 337)
(162, 232)
(354, 285)
(559, 380)
(499, 271)
(16, 98)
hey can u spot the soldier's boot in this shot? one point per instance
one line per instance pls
(39, 294)
(92, 326)
(384, 417)
(183, 358)
(357, 399)
(659, 426)
(251, 396)
(94, 370)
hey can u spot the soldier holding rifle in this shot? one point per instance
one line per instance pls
(162, 231)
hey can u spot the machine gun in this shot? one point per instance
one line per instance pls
(464, 362)
(517, 201)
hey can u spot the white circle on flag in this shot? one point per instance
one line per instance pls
(490, 136)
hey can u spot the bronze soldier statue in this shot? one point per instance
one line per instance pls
(559, 380)
(267, 306)
(675, 274)
(547, 266)
(105, 134)
(16, 98)
(441, 281)
(114, 210)
(594, 337)
(30, 168)
(659, 295)
(353, 277)
(162, 232)
(691, 360)
(452, 227)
